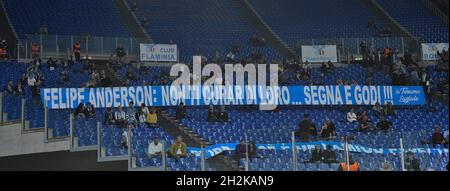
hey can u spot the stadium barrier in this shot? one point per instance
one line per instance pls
(109, 144)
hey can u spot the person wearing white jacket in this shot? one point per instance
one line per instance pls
(351, 116)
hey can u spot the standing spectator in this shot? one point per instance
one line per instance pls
(412, 163)
(77, 51)
(155, 148)
(178, 149)
(181, 111)
(304, 130)
(437, 138)
(35, 50)
(390, 111)
(377, 109)
(131, 115)
(120, 117)
(20, 89)
(240, 151)
(152, 118)
(351, 116)
(120, 53)
(109, 116)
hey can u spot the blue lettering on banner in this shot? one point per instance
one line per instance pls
(65, 98)
(216, 149)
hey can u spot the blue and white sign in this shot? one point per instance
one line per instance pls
(429, 50)
(63, 98)
(216, 149)
(159, 52)
(319, 53)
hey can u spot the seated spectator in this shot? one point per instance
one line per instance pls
(144, 109)
(437, 138)
(20, 89)
(90, 111)
(362, 115)
(340, 82)
(386, 166)
(390, 111)
(377, 109)
(124, 140)
(109, 116)
(240, 151)
(141, 118)
(222, 115)
(316, 155)
(351, 116)
(252, 150)
(384, 125)
(328, 130)
(364, 126)
(155, 148)
(304, 129)
(178, 149)
(152, 118)
(329, 156)
(354, 166)
(120, 117)
(80, 111)
(412, 163)
(181, 111)
(212, 117)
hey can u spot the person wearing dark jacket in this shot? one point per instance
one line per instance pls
(437, 137)
(109, 116)
(317, 155)
(80, 111)
(329, 156)
(181, 112)
(222, 115)
(304, 129)
(90, 111)
(384, 125)
(212, 116)
(412, 163)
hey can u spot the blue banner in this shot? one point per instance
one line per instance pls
(64, 98)
(214, 150)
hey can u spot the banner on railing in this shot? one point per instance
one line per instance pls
(158, 52)
(64, 98)
(319, 53)
(216, 149)
(429, 50)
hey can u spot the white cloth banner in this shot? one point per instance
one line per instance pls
(159, 52)
(319, 53)
(429, 50)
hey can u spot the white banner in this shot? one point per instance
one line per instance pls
(429, 50)
(319, 53)
(159, 52)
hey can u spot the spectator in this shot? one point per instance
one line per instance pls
(141, 118)
(240, 151)
(10, 87)
(351, 116)
(64, 78)
(437, 138)
(304, 130)
(35, 50)
(317, 155)
(90, 111)
(124, 139)
(386, 166)
(354, 166)
(80, 111)
(328, 130)
(340, 82)
(384, 125)
(109, 116)
(223, 115)
(181, 112)
(20, 89)
(390, 111)
(412, 163)
(120, 117)
(120, 53)
(131, 115)
(3, 50)
(329, 156)
(377, 109)
(362, 115)
(152, 118)
(77, 51)
(178, 149)
(364, 126)
(155, 148)
(212, 117)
